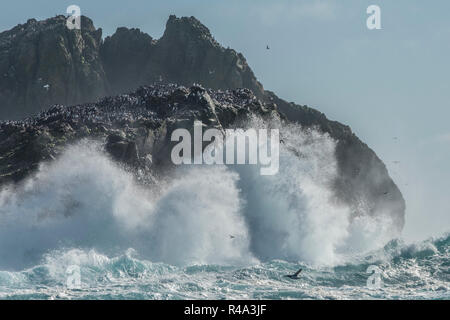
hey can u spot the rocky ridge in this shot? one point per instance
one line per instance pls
(42, 63)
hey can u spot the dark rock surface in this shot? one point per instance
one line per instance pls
(121, 149)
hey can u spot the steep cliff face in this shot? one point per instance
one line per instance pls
(42, 63)
(78, 67)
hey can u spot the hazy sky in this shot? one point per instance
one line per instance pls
(392, 86)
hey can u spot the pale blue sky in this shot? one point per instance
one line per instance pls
(387, 83)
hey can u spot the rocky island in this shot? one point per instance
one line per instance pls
(131, 91)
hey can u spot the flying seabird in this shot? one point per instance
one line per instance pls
(295, 275)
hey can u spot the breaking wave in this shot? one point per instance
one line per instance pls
(227, 215)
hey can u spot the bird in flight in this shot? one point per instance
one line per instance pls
(295, 275)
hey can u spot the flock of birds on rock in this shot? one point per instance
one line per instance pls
(128, 108)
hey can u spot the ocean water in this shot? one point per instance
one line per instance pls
(417, 271)
(83, 228)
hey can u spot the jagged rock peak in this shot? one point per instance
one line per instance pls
(134, 32)
(187, 28)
